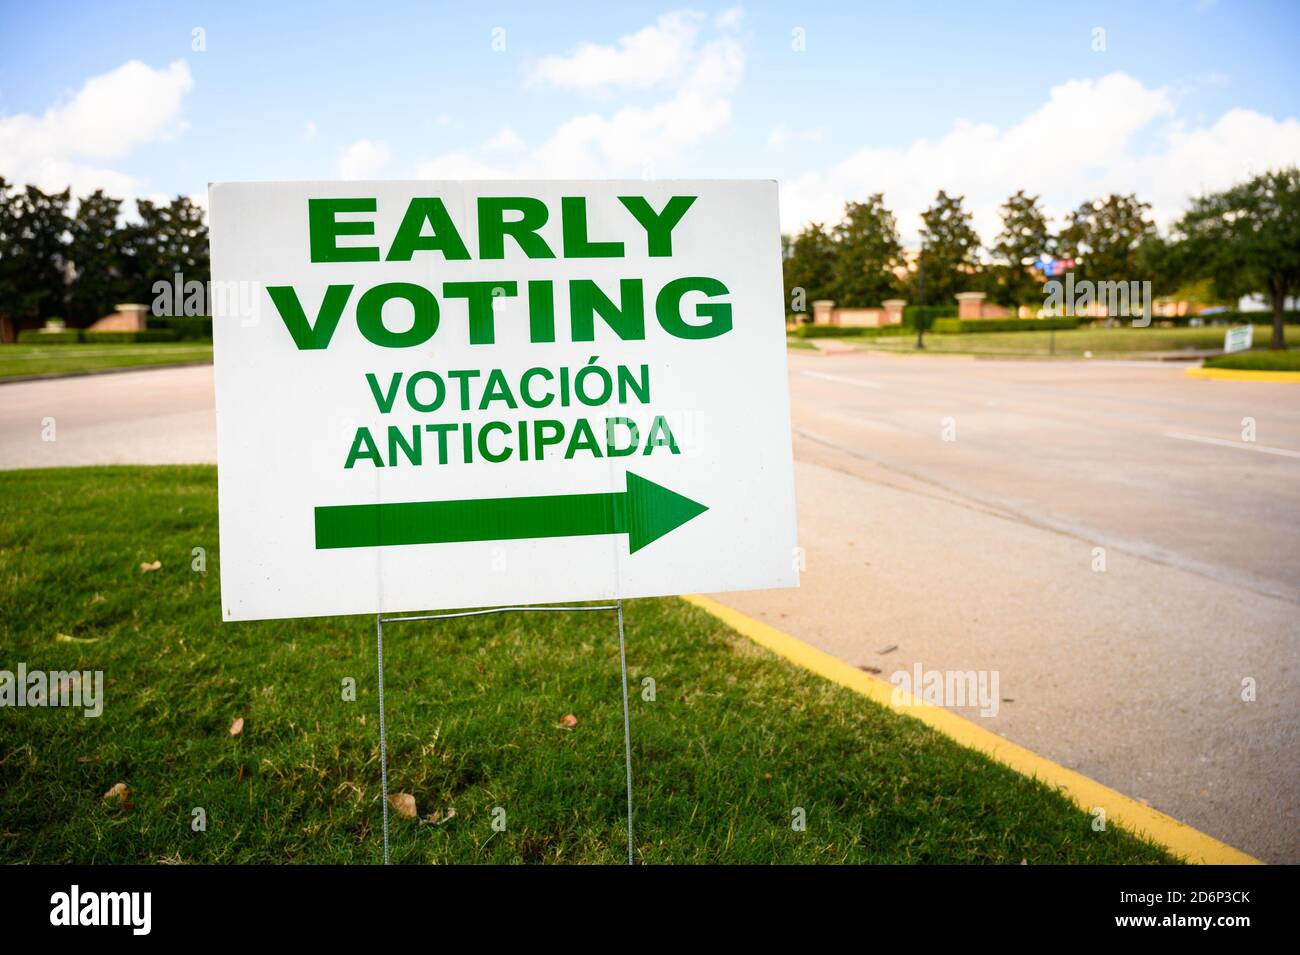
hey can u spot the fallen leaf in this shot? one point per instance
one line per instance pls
(121, 794)
(437, 817)
(146, 568)
(568, 720)
(237, 727)
(66, 638)
(863, 666)
(889, 649)
(403, 804)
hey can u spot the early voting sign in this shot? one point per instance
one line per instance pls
(1239, 339)
(451, 394)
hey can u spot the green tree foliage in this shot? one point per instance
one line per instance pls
(1247, 239)
(56, 264)
(809, 267)
(169, 239)
(104, 269)
(11, 276)
(33, 264)
(867, 251)
(1024, 237)
(1104, 235)
(951, 251)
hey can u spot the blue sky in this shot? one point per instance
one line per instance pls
(905, 98)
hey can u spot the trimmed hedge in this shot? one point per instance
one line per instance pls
(958, 326)
(846, 331)
(118, 338)
(188, 328)
(35, 336)
(1235, 318)
(1258, 360)
(927, 313)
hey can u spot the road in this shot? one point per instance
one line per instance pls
(156, 416)
(1098, 534)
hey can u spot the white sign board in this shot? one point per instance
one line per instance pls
(454, 394)
(1239, 339)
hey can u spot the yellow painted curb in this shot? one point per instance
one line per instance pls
(1242, 374)
(1177, 837)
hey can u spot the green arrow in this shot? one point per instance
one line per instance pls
(645, 512)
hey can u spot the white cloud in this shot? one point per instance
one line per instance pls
(730, 19)
(780, 137)
(504, 141)
(111, 115)
(363, 159)
(309, 134)
(650, 57)
(699, 75)
(1091, 138)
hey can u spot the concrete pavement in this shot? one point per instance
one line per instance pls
(155, 416)
(978, 553)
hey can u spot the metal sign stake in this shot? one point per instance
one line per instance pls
(380, 620)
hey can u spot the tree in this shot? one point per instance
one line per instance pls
(867, 250)
(33, 263)
(1104, 236)
(168, 239)
(809, 265)
(10, 263)
(1025, 236)
(951, 249)
(1247, 239)
(98, 253)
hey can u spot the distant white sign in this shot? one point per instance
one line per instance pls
(1239, 339)
(448, 394)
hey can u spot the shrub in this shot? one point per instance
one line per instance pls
(188, 328)
(927, 314)
(1260, 360)
(958, 326)
(824, 331)
(1235, 318)
(34, 336)
(120, 338)
(844, 331)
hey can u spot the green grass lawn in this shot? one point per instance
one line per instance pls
(16, 360)
(1070, 343)
(1258, 360)
(734, 741)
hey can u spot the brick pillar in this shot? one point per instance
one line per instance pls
(823, 311)
(893, 310)
(134, 317)
(970, 304)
